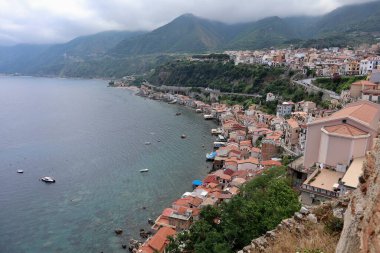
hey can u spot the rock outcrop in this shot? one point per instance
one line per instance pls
(361, 232)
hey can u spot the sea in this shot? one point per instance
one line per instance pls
(91, 139)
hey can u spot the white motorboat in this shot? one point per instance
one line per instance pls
(48, 179)
(20, 171)
(148, 143)
(144, 170)
(208, 116)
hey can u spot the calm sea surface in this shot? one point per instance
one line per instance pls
(91, 139)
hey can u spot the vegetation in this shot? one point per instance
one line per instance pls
(260, 206)
(225, 77)
(337, 83)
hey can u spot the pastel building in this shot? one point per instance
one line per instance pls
(335, 149)
(342, 136)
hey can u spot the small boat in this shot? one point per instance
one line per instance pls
(20, 171)
(177, 114)
(208, 116)
(211, 156)
(173, 102)
(198, 110)
(216, 131)
(147, 143)
(48, 179)
(183, 136)
(144, 170)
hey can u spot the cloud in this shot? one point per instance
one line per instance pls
(52, 21)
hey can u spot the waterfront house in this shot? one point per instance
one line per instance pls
(163, 219)
(158, 242)
(181, 218)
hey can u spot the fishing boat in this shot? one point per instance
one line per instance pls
(173, 102)
(144, 170)
(198, 110)
(48, 179)
(177, 114)
(183, 136)
(147, 143)
(20, 171)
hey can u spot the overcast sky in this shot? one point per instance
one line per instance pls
(52, 21)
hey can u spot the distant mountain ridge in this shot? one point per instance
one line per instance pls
(347, 25)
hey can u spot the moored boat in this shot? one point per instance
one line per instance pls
(211, 156)
(216, 131)
(208, 116)
(20, 171)
(183, 136)
(48, 179)
(144, 170)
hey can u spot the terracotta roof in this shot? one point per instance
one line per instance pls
(256, 150)
(345, 129)
(167, 212)
(364, 112)
(248, 143)
(229, 172)
(182, 202)
(249, 160)
(292, 123)
(271, 163)
(364, 83)
(159, 240)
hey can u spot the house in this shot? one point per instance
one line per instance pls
(256, 152)
(292, 129)
(248, 164)
(158, 242)
(284, 109)
(181, 218)
(358, 87)
(270, 97)
(163, 219)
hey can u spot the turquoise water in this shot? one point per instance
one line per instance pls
(91, 139)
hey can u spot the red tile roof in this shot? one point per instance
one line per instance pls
(160, 239)
(345, 129)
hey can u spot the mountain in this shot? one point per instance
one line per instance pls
(268, 32)
(49, 59)
(351, 18)
(117, 53)
(185, 34)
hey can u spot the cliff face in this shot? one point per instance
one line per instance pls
(361, 232)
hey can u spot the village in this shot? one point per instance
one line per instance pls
(322, 149)
(322, 62)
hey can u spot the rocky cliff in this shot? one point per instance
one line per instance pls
(361, 232)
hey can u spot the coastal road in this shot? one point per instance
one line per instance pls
(308, 84)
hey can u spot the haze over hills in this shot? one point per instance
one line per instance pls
(114, 54)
